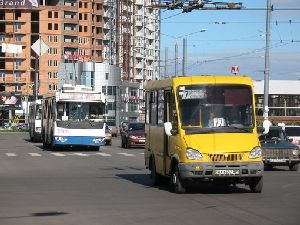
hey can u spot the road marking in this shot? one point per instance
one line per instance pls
(80, 154)
(103, 154)
(11, 154)
(125, 154)
(58, 154)
(142, 153)
(34, 154)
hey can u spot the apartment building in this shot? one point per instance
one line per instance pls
(74, 30)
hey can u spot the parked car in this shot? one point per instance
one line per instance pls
(278, 150)
(108, 136)
(293, 132)
(113, 128)
(133, 135)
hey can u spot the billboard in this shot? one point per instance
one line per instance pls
(21, 4)
(10, 100)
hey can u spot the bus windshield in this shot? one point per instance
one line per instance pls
(79, 111)
(217, 107)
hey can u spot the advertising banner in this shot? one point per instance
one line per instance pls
(19, 4)
(10, 100)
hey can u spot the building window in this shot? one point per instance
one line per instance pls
(104, 90)
(55, 14)
(54, 62)
(18, 63)
(106, 76)
(49, 38)
(54, 74)
(49, 62)
(55, 51)
(2, 75)
(80, 5)
(85, 5)
(49, 75)
(85, 29)
(55, 39)
(80, 28)
(99, 6)
(98, 53)
(18, 87)
(98, 30)
(49, 14)
(18, 27)
(2, 37)
(49, 26)
(85, 17)
(109, 90)
(49, 87)
(18, 75)
(55, 26)
(18, 38)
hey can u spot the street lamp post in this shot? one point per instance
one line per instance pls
(267, 62)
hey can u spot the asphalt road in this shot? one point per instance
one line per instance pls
(112, 187)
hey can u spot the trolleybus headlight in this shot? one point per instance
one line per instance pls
(255, 153)
(193, 154)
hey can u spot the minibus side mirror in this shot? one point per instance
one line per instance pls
(266, 125)
(168, 128)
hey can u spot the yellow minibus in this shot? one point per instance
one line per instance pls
(202, 129)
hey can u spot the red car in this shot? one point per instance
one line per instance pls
(133, 135)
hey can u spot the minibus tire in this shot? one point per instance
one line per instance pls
(154, 177)
(256, 185)
(177, 187)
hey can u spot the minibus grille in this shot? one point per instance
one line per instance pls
(226, 157)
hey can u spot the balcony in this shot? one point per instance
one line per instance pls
(71, 20)
(71, 32)
(138, 76)
(70, 44)
(139, 66)
(139, 2)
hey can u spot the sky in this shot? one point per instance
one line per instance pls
(235, 37)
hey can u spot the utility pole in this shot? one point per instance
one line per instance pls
(166, 64)
(184, 58)
(176, 58)
(267, 61)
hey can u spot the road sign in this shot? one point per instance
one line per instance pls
(40, 47)
(235, 69)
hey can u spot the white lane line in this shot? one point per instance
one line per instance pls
(34, 154)
(11, 154)
(80, 154)
(142, 153)
(103, 154)
(58, 154)
(125, 154)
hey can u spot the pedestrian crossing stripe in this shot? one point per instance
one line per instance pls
(34, 154)
(81, 154)
(103, 154)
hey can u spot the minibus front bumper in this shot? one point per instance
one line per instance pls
(220, 170)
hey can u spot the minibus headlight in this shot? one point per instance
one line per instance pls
(255, 153)
(193, 154)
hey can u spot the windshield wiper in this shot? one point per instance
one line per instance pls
(241, 128)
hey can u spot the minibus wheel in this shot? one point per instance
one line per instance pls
(154, 177)
(256, 185)
(176, 182)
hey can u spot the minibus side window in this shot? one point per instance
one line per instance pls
(173, 113)
(153, 107)
(160, 107)
(147, 117)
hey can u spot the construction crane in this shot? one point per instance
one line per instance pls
(189, 5)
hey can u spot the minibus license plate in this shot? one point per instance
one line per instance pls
(227, 172)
